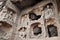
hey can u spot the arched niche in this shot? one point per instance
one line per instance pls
(33, 16)
(23, 32)
(5, 30)
(52, 30)
(49, 10)
(36, 29)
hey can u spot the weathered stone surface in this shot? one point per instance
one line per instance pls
(29, 20)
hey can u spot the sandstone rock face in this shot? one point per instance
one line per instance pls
(29, 20)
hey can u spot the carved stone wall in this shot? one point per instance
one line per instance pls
(38, 20)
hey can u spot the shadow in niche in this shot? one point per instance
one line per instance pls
(36, 29)
(22, 28)
(52, 31)
(49, 4)
(26, 3)
(33, 16)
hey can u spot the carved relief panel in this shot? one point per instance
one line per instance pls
(40, 22)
